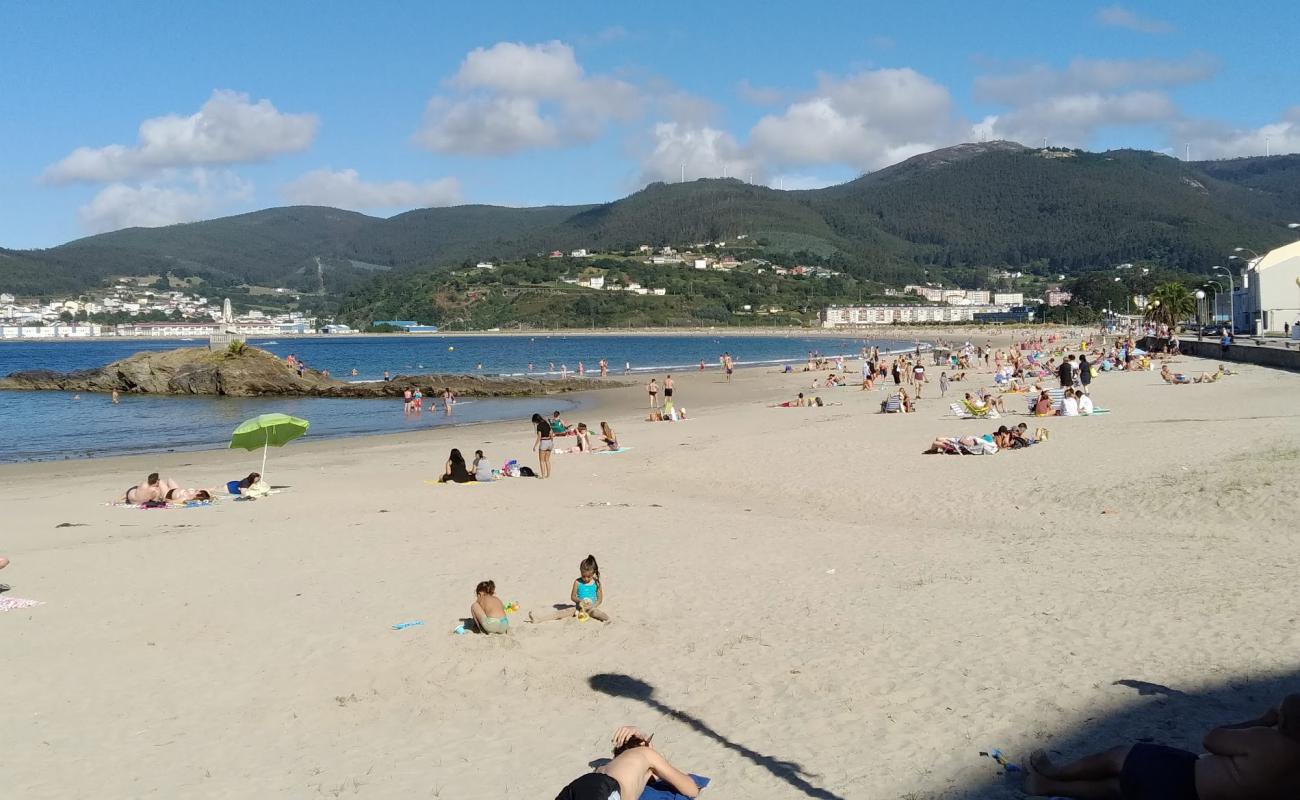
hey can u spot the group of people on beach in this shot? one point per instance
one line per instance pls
(546, 431)
(413, 400)
(156, 491)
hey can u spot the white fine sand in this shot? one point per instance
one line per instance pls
(803, 604)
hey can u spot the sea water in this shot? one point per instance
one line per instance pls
(56, 425)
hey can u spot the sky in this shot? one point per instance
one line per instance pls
(115, 115)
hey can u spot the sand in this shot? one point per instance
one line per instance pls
(803, 604)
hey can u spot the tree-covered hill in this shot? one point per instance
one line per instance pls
(961, 208)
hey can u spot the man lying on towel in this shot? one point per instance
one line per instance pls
(1256, 760)
(635, 764)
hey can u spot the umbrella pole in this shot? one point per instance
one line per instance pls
(264, 447)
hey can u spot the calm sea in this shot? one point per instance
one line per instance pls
(37, 426)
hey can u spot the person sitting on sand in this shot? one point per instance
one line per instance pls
(1069, 404)
(1175, 378)
(1019, 436)
(582, 439)
(154, 489)
(455, 470)
(991, 400)
(904, 401)
(1213, 377)
(482, 468)
(1085, 403)
(586, 596)
(607, 436)
(559, 427)
(248, 482)
(1255, 760)
(634, 765)
(1043, 405)
(488, 612)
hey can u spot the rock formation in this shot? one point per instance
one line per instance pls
(249, 372)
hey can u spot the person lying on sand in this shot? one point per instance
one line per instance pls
(154, 489)
(4, 562)
(488, 612)
(635, 763)
(962, 446)
(798, 402)
(187, 495)
(1255, 760)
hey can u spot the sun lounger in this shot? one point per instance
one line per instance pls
(892, 405)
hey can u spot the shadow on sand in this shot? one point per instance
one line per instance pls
(618, 685)
(1155, 713)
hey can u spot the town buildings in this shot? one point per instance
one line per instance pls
(1267, 297)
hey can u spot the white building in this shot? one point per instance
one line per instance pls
(838, 316)
(485, 265)
(594, 282)
(579, 253)
(1268, 296)
(1009, 298)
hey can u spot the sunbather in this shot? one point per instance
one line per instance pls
(635, 763)
(187, 495)
(1255, 760)
(153, 489)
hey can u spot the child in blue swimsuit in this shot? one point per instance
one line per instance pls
(586, 596)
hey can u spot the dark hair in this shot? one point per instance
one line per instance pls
(537, 418)
(252, 478)
(202, 494)
(456, 458)
(632, 741)
(590, 563)
(486, 587)
(152, 479)
(478, 453)
(1003, 429)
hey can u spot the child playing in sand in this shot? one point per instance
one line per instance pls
(488, 612)
(586, 596)
(582, 439)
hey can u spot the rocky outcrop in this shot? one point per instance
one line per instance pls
(254, 373)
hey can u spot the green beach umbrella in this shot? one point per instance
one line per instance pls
(266, 431)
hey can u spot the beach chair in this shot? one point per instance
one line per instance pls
(892, 405)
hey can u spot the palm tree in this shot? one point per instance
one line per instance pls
(1170, 303)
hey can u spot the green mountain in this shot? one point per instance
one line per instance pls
(954, 212)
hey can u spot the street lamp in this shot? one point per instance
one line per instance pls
(1232, 288)
(1200, 318)
(1245, 250)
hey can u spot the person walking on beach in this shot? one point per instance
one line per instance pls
(918, 377)
(604, 368)
(728, 365)
(652, 389)
(544, 444)
(1255, 760)
(668, 390)
(627, 367)
(1066, 372)
(1085, 371)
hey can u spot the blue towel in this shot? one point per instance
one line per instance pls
(662, 791)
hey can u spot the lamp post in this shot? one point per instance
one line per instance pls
(1246, 250)
(1200, 318)
(1232, 288)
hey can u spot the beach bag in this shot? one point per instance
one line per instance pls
(1041, 435)
(527, 472)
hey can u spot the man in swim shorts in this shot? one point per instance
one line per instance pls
(1255, 760)
(635, 763)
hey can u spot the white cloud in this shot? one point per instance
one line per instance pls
(868, 120)
(1211, 139)
(1071, 120)
(1087, 75)
(1120, 17)
(705, 152)
(759, 95)
(228, 129)
(345, 189)
(1068, 105)
(177, 198)
(512, 97)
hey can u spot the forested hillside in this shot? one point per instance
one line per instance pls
(952, 212)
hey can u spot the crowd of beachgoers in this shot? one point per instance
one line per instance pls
(1042, 377)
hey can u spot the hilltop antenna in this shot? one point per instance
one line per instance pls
(683, 172)
(1044, 142)
(1267, 141)
(1188, 156)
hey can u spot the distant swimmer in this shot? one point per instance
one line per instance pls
(114, 397)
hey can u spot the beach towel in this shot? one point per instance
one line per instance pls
(16, 603)
(454, 483)
(164, 507)
(611, 452)
(658, 790)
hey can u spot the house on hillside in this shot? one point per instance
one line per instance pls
(485, 265)
(556, 254)
(581, 252)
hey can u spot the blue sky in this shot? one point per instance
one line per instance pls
(153, 113)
